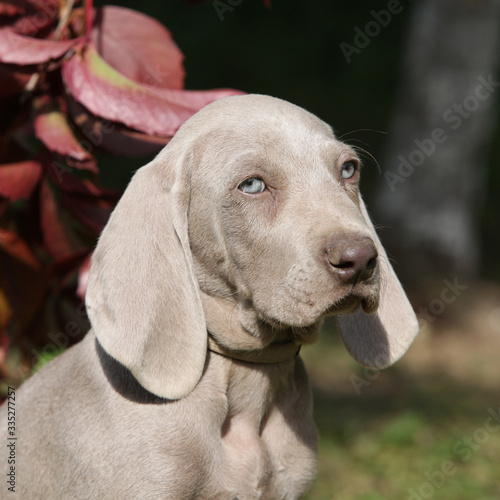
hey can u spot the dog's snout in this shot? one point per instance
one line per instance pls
(353, 259)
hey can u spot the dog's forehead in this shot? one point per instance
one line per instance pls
(263, 122)
(250, 111)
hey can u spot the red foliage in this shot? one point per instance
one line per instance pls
(73, 80)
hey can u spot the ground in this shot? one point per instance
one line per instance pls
(429, 427)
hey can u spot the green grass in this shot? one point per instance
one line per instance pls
(45, 357)
(404, 433)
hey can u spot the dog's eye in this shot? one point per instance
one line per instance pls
(348, 170)
(254, 185)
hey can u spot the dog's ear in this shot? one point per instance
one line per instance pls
(143, 298)
(380, 339)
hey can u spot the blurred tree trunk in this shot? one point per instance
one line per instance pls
(435, 166)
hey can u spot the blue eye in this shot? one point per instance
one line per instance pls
(254, 185)
(348, 170)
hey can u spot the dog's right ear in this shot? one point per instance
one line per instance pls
(143, 298)
(380, 339)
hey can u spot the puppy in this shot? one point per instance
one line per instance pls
(222, 258)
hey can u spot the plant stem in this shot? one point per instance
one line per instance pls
(88, 16)
(63, 18)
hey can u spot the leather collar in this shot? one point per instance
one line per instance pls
(273, 353)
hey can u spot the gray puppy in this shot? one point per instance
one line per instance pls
(223, 256)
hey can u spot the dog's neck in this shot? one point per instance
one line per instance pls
(237, 332)
(271, 354)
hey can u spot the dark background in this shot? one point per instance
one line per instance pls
(291, 50)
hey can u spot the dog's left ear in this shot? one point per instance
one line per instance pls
(143, 297)
(380, 339)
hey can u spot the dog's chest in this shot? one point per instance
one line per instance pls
(246, 461)
(262, 451)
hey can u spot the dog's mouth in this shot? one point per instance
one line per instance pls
(352, 302)
(369, 305)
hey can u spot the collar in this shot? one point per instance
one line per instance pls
(273, 353)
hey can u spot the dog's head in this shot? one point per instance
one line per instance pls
(255, 204)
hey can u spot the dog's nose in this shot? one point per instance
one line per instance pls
(353, 259)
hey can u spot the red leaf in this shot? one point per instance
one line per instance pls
(88, 203)
(17, 180)
(52, 128)
(138, 46)
(114, 137)
(127, 142)
(92, 213)
(63, 271)
(12, 8)
(53, 229)
(25, 288)
(73, 185)
(69, 264)
(194, 100)
(5, 315)
(107, 93)
(37, 16)
(18, 248)
(22, 50)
